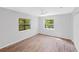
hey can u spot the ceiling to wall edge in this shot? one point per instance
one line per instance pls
(41, 15)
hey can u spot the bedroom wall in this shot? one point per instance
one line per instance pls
(63, 26)
(76, 28)
(9, 32)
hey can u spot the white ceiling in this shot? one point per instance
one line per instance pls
(43, 11)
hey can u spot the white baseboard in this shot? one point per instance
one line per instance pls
(15, 42)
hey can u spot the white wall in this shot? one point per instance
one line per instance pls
(9, 32)
(63, 26)
(76, 28)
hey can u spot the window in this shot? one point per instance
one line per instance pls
(24, 24)
(49, 23)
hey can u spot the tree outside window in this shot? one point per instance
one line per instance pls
(49, 23)
(24, 24)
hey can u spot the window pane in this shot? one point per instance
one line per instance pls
(27, 21)
(49, 23)
(21, 27)
(27, 27)
(21, 21)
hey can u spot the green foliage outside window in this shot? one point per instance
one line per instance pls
(24, 24)
(49, 23)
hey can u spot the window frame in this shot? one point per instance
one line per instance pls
(24, 24)
(51, 24)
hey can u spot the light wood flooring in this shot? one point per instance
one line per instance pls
(41, 43)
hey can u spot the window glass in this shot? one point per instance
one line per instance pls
(24, 24)
(49, 23)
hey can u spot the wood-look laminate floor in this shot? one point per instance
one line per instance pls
(41, 43)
